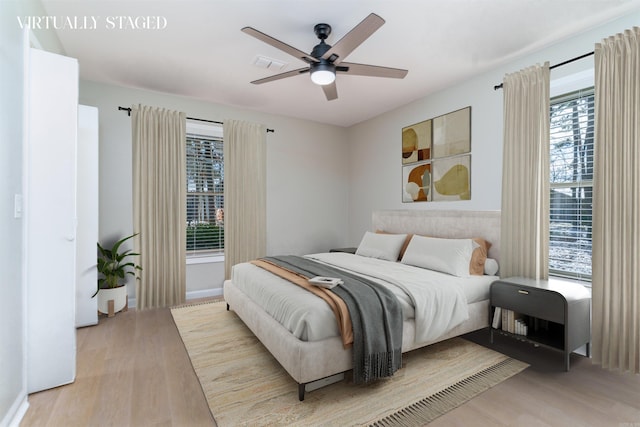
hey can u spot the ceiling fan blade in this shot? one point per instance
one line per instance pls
(280, 45)
(353, 38)
(330, 91)
(281, 76)
(370, 70)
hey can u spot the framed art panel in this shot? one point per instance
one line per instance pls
(452, 178)
(452, 133)
(416, 142)
(416, 182)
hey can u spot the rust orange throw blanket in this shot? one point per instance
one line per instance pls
(335, 302)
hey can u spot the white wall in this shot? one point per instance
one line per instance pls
(375, 180)
(12, 368)
(307, 172)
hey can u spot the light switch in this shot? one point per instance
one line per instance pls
(17, 205)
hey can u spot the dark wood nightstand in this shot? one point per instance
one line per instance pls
(557, 313)
(347, 250)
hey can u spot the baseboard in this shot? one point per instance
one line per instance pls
(204, 293)
(13, 418)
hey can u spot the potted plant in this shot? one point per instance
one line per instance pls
(113, 268)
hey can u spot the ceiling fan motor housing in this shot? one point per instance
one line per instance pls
(322, 32)
(322, 65)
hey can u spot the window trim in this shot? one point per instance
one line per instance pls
(205, 259)
(199, 128)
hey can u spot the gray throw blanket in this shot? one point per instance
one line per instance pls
(375, 313)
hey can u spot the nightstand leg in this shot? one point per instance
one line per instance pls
(567, 356)
(491, 338)
(588, 349)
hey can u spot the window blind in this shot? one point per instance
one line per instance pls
(571, 184)
(205, 195)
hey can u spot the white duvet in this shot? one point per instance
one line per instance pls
(437, 301)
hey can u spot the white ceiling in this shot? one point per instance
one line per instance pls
(203, 54)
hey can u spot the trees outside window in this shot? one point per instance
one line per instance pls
(205, 195)
(571, 184)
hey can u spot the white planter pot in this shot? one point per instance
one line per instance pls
(119, 297)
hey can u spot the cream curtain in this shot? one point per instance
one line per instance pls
(525, 174)
(244, 192)
(616, 206)
(159, 204)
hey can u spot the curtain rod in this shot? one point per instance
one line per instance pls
(128, 110)
(568, 61)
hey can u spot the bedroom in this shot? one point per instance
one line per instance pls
(359, 155)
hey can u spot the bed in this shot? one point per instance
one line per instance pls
(314, 357)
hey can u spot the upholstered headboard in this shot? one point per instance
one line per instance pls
(443, 223)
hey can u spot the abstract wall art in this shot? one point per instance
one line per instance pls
(416, 180)
(452, 133)
(416, 142)
(452, 178)
(436, 164)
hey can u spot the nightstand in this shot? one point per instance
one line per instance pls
(347, 250)
(557, 314)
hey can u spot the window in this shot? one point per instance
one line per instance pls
(571, 184)
(205, 190)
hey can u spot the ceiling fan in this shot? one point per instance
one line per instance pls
(325, 60)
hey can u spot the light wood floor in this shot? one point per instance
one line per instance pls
(545, 395)
(133, 370)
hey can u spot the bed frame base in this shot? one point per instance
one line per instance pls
(314, 385)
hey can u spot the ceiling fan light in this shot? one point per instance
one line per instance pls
(323, 77)
(323, 74)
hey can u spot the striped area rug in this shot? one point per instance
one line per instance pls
(245, 385)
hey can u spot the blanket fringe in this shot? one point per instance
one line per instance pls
(380, 365)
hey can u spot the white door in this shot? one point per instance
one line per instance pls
(87, 208)
(50, 219)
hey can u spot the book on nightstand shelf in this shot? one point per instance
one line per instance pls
(509, 321)
(497, 318)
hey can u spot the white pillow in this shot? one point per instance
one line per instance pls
(382, 246)
(490, 267)
(450, 256)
